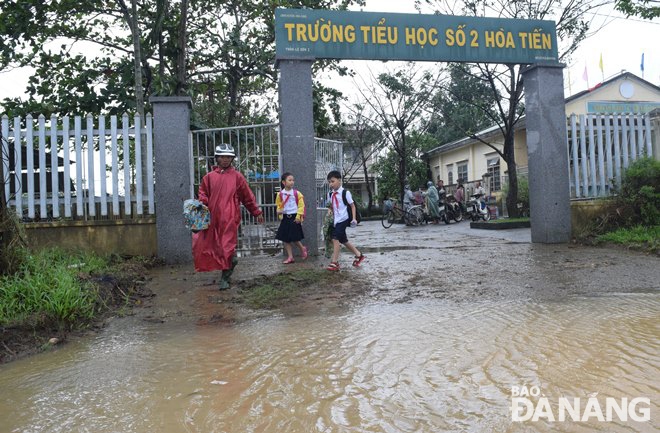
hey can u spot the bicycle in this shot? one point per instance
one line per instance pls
(413, 216)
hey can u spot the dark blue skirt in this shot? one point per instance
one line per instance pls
(289, 231)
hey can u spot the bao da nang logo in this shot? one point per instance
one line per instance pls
(527, 404)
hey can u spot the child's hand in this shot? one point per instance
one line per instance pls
(354, 222)
(280, 211)
(298, 219)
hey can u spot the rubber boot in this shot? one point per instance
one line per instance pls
(226, 274)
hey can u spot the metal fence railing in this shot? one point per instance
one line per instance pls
(82, 170)
(329, 156)
(600, 147)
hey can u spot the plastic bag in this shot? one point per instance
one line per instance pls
(196, 215)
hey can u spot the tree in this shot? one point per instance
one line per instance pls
(217, 51)
(70, 83)
(397, 100)
(641, 8)
(462, 106)
(505, 81)
(387, 170)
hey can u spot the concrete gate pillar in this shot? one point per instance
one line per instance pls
(172, 176)
(297, 138)
(549, 190)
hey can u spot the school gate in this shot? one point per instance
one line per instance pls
(302, 36)
(305, 35)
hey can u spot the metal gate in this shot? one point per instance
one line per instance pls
(329, 156)
(258, 159)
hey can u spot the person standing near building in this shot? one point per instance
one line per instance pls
(223, 189)
(459, 195)
(478, 189)
(432, 199)
(441, 187)
(408, 198)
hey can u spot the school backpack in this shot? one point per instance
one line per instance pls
(295, 195)
(358, 217)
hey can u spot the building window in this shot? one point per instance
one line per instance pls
(436, 169)
(450, 175)
(462, 171)
(494, 172)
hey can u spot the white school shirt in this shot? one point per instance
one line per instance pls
(338, 207)
(291, 207)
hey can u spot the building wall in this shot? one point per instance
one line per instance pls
(520, 147)
(482, 154)
(475, 154)
(478, 153)
(642, 93)
(453, 157)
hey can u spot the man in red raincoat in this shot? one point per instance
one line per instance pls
(223, 190)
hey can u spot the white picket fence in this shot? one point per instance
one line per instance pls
(601, 146)
(80, 172)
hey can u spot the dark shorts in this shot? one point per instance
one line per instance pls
(339, 231)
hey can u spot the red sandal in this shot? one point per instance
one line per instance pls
(358, 260)
(288, 261)
(333, 266)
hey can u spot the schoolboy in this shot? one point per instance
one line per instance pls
(344, 211)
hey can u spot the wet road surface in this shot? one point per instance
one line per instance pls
(449, 322)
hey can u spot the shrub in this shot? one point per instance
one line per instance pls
(638, 198)
(523, 192)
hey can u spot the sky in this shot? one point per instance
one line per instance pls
(620, 41)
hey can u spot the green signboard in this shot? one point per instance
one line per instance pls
(621, 107)
(325, 34)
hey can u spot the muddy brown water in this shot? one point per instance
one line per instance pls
(395, 361)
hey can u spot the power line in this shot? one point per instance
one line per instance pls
(621, 18)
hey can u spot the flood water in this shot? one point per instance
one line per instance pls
(423, 366)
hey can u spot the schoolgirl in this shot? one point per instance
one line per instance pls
(291, 211)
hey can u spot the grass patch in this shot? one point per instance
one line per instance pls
(646, 238)
(47, 288)
(274, 291)
(59, 288)
(509, 220)
(54, 292)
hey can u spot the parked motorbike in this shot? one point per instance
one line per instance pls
(449, 209)
(474, 209)
(454, 210)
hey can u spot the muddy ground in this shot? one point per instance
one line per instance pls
(451, 262)
(120, 290)
(404, 263)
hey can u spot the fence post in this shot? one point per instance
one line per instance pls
(172, 179)
(297, 133)
(549, 189)
(654, 140)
